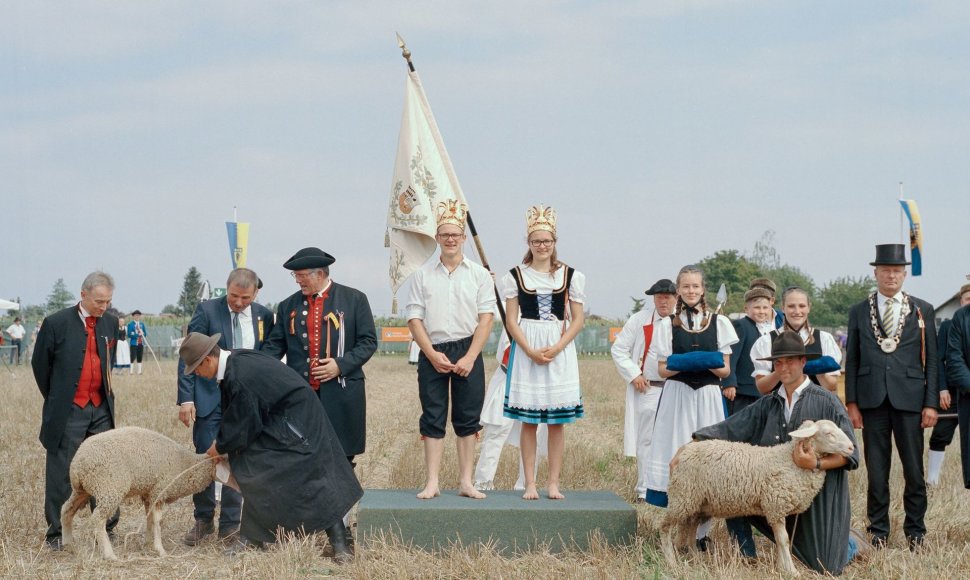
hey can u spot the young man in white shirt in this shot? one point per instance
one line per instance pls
(17, 333)
(449, 315)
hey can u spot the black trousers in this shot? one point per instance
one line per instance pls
(945, 428)
(964, 439)
(881, 426)
(137, 352)
(204, 432)
(81, 424)
(467, 393)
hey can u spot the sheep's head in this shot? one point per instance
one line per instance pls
(826, 437)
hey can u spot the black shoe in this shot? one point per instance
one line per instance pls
(54, 544)
(878, 542)
(343, 552)
(703, 544)
(200, 530)
(915, 543)
(228, 532)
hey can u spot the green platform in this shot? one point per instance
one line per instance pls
(504, 519)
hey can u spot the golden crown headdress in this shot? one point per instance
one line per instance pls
(540, 218)
(452, 211)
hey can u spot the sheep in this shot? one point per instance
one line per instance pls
(132, 462)
(725, 479)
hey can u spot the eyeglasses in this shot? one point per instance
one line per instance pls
(541, 243)
(450, 237)
(302, 275)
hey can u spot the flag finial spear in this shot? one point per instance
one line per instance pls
(405, 52)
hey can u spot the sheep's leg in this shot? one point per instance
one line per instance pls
(154, 527)
(68, 510)
(106, 506)
(668, 529)
(783, 547)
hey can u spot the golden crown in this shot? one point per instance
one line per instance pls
(452, 211)
(540, 218)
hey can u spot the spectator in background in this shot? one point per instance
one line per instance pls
(17, 333)
(136, 338)
(123, 354)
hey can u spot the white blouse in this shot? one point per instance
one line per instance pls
(762, 349)
(543, 284)
(663, 335)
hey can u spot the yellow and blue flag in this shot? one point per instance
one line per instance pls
(238, 243)
(915, 235)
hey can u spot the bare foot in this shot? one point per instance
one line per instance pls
(530, 492)
(470, 491)
(429, 492)
(554, 492)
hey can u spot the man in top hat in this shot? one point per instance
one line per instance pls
(72, 366)
(769, 285)
(326, 331)
(282, 449)
(821, 538)
(242, 324)
(949, 401)
(638, 367)
(891, 390)
(449, 315)
(136, 338)
(958, 375)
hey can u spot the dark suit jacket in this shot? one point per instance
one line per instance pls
(57, 360)
(346, 404)
(872, 375)
(211, 317)
(741, 364)
(958, 353)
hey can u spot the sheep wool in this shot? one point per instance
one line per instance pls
(727, 479)
(132, 462)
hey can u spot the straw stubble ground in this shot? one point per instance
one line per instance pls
(394, 460)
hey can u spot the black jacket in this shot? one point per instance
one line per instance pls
(741, 364)
(958, 353)
(872, 376)
(57, 360)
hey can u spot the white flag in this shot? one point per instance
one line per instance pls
(423, 177)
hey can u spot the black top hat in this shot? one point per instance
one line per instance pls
(789, 344)
(890, 255)
(309, 258)
(662, 286)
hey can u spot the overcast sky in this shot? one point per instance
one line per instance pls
(661, 132)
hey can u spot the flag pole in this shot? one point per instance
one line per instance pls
(468, 216)
(902, 232)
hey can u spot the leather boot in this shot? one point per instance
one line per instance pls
(337, 534)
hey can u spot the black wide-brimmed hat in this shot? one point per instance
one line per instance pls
(309, 258)
(195, 348)
(662, 286)
(789, 344)
(890, 255)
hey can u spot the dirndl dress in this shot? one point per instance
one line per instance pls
(122, 351)
(549, 393)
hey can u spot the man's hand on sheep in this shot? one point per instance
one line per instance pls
(187, 414)
(929, 418)
(803, 455)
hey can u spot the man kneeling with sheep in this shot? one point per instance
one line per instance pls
(284, 454)
(820, 536)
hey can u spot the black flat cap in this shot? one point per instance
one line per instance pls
(136, 312)
(662, 286)
(309, 258)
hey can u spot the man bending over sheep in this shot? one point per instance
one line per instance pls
(820, 535)
(291, 469)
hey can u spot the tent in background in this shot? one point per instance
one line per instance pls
(8, 305)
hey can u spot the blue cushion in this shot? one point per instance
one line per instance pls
(699, 360)
(822, 365)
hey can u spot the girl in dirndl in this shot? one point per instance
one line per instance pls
(690, 399)
(542, 387)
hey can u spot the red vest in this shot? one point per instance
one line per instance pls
(89, 385)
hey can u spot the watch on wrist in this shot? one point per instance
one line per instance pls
(818, 465)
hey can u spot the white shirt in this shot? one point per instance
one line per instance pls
(663, 335)
(246, 328)
(897, 308)
(789, 405)
(542, 283)
(449, 303)
(16, 331)
(221, 371)
(627, 349)
(762, 349)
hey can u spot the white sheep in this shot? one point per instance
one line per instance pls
(724, 479)
(132, 462)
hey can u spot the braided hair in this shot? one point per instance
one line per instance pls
(681, 305)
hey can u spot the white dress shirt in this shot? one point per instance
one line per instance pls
(246, 328)
(449, 303)
(897, 308)
(789, 405)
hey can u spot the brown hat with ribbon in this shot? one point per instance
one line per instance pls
(195, 348)
(789, 344)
